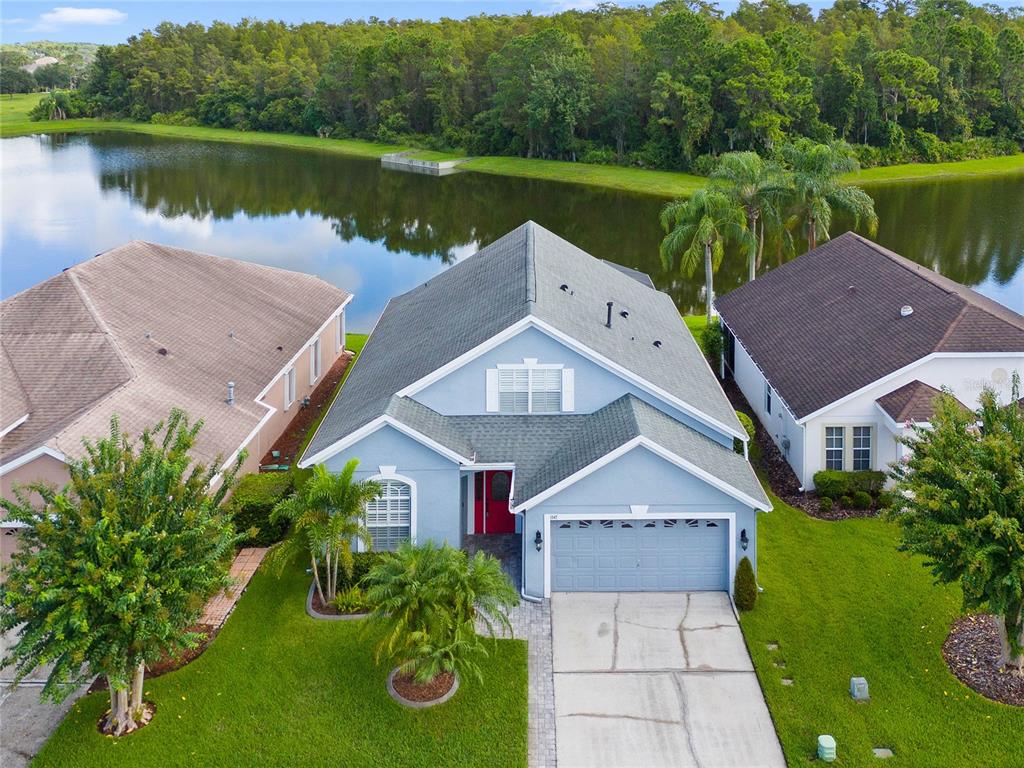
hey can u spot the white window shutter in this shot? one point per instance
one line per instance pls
(568, 393)
(492, 390)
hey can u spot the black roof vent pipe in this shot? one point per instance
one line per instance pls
(608, 322)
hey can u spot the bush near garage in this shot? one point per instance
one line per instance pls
(745, 587)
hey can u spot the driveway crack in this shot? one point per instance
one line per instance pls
(682, 632)
(684, 711)
(603, 716)
(615, 632)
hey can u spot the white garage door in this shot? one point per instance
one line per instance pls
(639, 555)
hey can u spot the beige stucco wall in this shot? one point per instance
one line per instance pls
(43, 468)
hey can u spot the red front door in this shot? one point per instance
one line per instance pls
(492, 513)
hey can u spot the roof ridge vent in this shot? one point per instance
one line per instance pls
(906, 310)
(531, 266)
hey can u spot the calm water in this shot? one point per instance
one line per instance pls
(378, 233)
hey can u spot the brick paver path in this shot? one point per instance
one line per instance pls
(245, 565)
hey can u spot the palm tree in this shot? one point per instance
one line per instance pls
(698, 228)
(759, 187)
(428, 599)
(328, 513)
(817, 190)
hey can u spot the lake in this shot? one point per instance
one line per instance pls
(379, 232)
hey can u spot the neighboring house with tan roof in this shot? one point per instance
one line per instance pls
(143, 328)
(840, 350)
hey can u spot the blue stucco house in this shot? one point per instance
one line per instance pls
(536, 392)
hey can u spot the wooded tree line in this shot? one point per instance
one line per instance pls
(667, 86)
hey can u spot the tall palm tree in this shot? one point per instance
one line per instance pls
(327, 513)
(697, 229)
(760, 187)
(817, 191)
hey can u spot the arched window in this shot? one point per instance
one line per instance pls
(389, 516)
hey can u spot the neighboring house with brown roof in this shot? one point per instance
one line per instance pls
(143, 328)
(840, 350)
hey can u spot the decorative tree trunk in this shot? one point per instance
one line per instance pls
(752, 256)
(708, 279)
(120, 720)
(1013, 662)
(138, 681)
(760, 250)
(316, 579)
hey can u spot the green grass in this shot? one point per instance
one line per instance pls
(354, 342)
(842, 601)
(278, 688)
(666, 184)
(696, 324)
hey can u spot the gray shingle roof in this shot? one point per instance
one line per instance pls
(828, 323)
(518, 275)
(548, 449)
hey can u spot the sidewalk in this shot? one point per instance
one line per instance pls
(220, 606)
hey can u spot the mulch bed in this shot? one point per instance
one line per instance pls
(435, 689)
(169, 663)
(288, 444)
(781, 478)
(148, 713)
(325, 608)
(973, 652)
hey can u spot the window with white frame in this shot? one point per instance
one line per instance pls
(861, 448)
(767, 398)
(389, 516)
(834, 447)
(529, 388)
(314, 361)
(289, 387)
(339, 332)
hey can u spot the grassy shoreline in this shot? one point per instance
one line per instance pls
(665, 184)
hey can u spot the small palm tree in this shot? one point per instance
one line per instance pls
(327, 513)
(427, 600)
(817, 190)
(758, 186)
(699, 228)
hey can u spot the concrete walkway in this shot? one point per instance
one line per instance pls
(656, 679)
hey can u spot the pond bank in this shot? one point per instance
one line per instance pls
(665, 184)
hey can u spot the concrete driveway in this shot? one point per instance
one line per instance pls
(656, 679)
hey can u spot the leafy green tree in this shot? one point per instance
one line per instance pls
(817, 190)
(959, 500)
(839, 89)
(54, 76)
(117, 566)
(428, 601)
(905, 83)
(760, 188)
(14, 79)
(327, 513)
(697, 230)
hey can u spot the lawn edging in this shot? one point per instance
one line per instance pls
(419, 704)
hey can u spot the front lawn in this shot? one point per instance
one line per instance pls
(840, 600)
(278, 688)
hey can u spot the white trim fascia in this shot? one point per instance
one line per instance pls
(274, 379)
(14, 425)
(890, 376)
(367, 429)
(25, 458)
(730, 516)
(535, 322)
(656, 449)
(493, 465)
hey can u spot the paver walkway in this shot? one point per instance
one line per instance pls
(245, 565)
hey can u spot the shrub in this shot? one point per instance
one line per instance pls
(825, 504)
(831, 483)
(861, 500)
(351, 600)
(362, 563)
(846, 502)
(748, 427)
(253, 501)
(745, 587)
(711, 343)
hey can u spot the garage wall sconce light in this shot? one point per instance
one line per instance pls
(538, 541)
(744, 541)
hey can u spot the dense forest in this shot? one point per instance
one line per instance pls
(671, 86)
